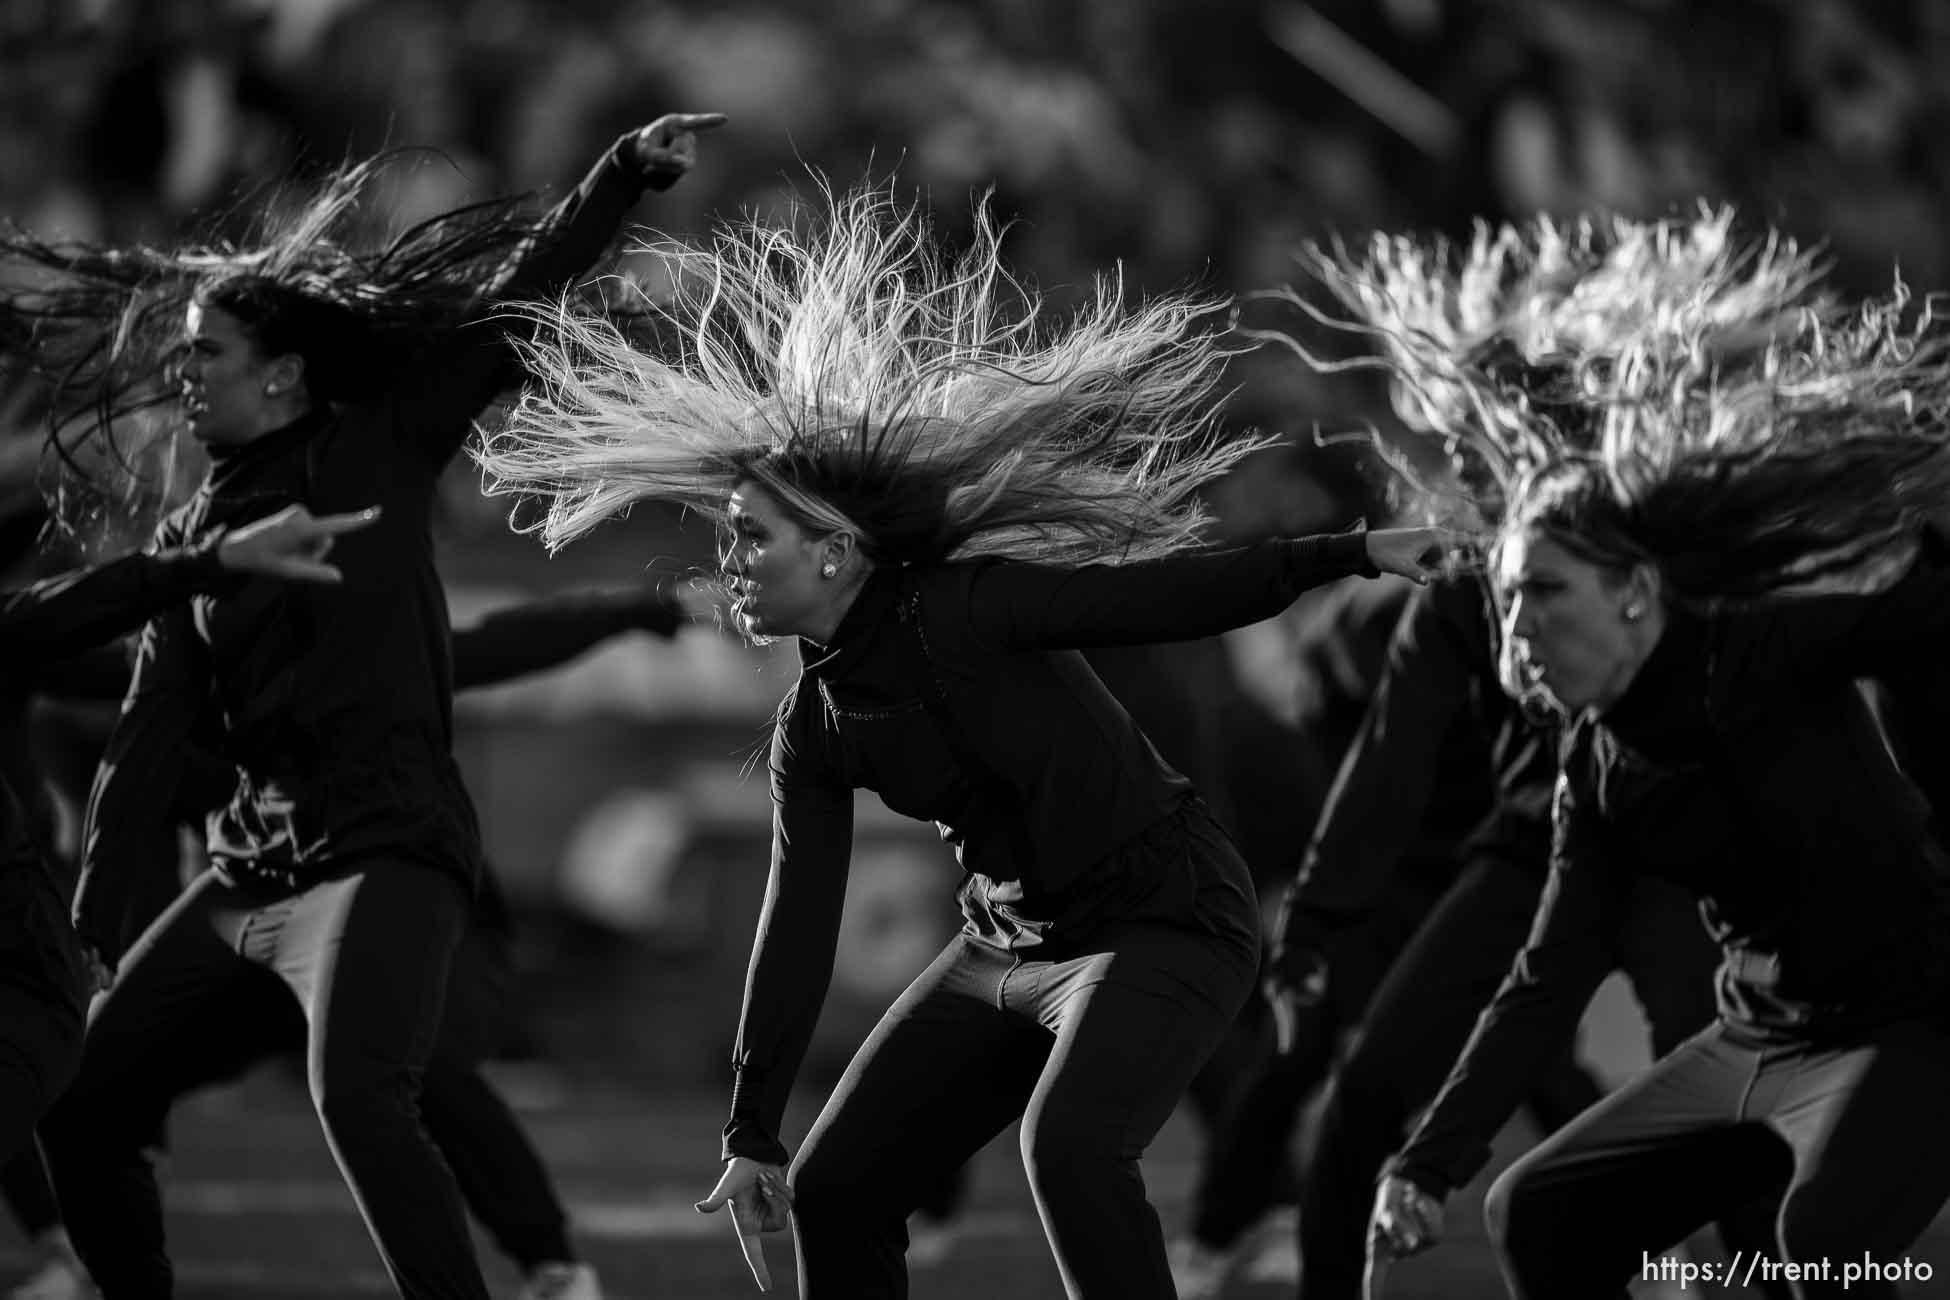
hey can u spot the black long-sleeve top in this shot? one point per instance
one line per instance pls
(1043, 776)
(1743, 763)
(335, 701)
(1444, 765)
(539, 634)
(502, 645)
(59, 617)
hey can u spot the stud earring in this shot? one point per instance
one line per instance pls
(828, 570)
(1632, 612)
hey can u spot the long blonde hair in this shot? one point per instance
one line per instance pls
(1664, 393)
(866, 379)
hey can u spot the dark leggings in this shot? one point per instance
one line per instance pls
(1091, 1048)
(367, 958)
(1247, 1165)
(41, 982)
(1423, 1014)
(40, 1043)
(501, 1177)
(1844, 1141)
(29, 1194)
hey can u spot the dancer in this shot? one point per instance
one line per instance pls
(345, 858)
(499, 1174)
(41, 972)
(1442, 681)
(1417, 884)
(1695, 598)
(942, 499)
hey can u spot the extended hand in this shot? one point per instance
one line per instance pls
(1296, 984)
(292, 543)
(100, 977)
(760, 1201)
(1406, 1219)
(667, 148)
(1417, 554)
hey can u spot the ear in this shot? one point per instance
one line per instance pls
(835, 550)
(284, 376)
(1641, 592)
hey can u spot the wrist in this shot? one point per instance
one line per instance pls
(1373, 567)
(1425, 1181)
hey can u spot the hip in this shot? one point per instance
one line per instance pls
(1182, 872)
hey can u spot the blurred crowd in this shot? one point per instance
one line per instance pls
(1184, 142)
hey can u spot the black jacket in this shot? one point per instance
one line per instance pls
(45, 622)
(1444, 769)
(335, 701)
(1743, 763)
(1039, 776)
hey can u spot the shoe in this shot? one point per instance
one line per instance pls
(1199, 1271)
(60, 1276)
(562, 1282)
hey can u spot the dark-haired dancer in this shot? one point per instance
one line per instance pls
(1696, 598)
(499, 1174)
(1403, 836)
(42, 976)
(943, 503)
(345, 859)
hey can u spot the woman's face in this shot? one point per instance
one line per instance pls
(1566, 623)
(225, 382)
(773, 567)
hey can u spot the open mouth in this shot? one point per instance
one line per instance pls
(192, 403)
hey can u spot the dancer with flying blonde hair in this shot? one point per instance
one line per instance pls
(943, 491)
(1693, 584)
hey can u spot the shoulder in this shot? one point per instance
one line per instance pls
(949, 601)
(949, 581)
(799, 751)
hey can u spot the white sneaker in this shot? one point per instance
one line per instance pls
(562, 1282)
(1197, 1270)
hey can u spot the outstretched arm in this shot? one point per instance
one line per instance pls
(74, 611)
(540, 634)
(1572, 947)
(798, 931)
(1050, 607)
(435, 410)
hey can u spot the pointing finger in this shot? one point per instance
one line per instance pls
(307, 571)
(346, 523)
